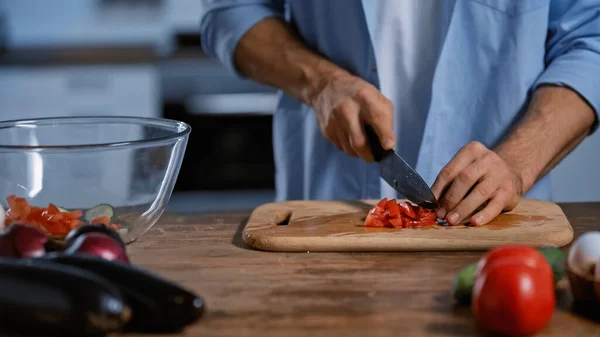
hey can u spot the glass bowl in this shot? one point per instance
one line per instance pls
(121, 167)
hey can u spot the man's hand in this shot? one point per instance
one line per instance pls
(557, 120)
(476, 176)
(272, 53)
(343, 106)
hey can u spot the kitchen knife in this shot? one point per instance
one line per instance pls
(396, 172)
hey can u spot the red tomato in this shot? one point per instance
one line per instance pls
(514, 291)
(525, 254)
(511, 297)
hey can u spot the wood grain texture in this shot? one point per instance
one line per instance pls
(338, 226)
(253, 293)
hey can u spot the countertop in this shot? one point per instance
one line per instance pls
(74, 55)
(253, 293)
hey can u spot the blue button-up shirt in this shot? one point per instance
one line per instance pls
(494, 54)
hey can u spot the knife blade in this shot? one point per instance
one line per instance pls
(398, 174)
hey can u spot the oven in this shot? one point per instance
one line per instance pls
(229, 159)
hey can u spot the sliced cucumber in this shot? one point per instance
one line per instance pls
(62, 209)
(99, 211)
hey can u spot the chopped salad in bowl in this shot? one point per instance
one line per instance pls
(56, 221)
(59, 174)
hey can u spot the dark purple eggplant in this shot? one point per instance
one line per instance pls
(157, 305)
(52, 299)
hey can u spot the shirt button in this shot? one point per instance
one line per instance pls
(374, 68)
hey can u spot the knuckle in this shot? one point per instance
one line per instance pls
(363, 94)
(476, 147)
(345, 108)
(447, 173)
(484, 190)
(491, 157)
(466, 176)
(508, 188)
(359, 143)
(389, 104)
(450, 199)
(376, 115)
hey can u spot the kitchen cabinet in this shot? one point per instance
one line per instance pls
(115, 90)
(85, 90)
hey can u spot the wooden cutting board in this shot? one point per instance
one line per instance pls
(301, 226)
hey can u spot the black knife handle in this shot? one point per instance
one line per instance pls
(376, 149)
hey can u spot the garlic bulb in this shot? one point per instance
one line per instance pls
(585, 254)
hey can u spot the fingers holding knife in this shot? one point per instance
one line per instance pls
(476, 186)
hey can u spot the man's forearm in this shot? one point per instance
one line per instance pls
(557, 120)
(272, 54)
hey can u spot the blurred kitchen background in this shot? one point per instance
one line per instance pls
(143, 58)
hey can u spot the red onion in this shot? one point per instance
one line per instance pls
(23, 241)
(98, 244)
(92, 228)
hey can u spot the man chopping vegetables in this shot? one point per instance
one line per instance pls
(482, 97)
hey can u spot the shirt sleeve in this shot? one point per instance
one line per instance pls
(573, 50)
(224, 22)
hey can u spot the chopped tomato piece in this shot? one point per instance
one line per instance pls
(393, 208)
(396, 222)
(101, 220)
(19, 207)
(49, 219)
(373, 220)
(382, 203)
(393, 214)
(73, 214)
(377, 210)
(406, 209)
(75, 223)
(52, 209)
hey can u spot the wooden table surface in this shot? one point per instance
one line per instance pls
(252, 293)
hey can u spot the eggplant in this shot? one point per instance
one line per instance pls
(157, 305)
(57, 299)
